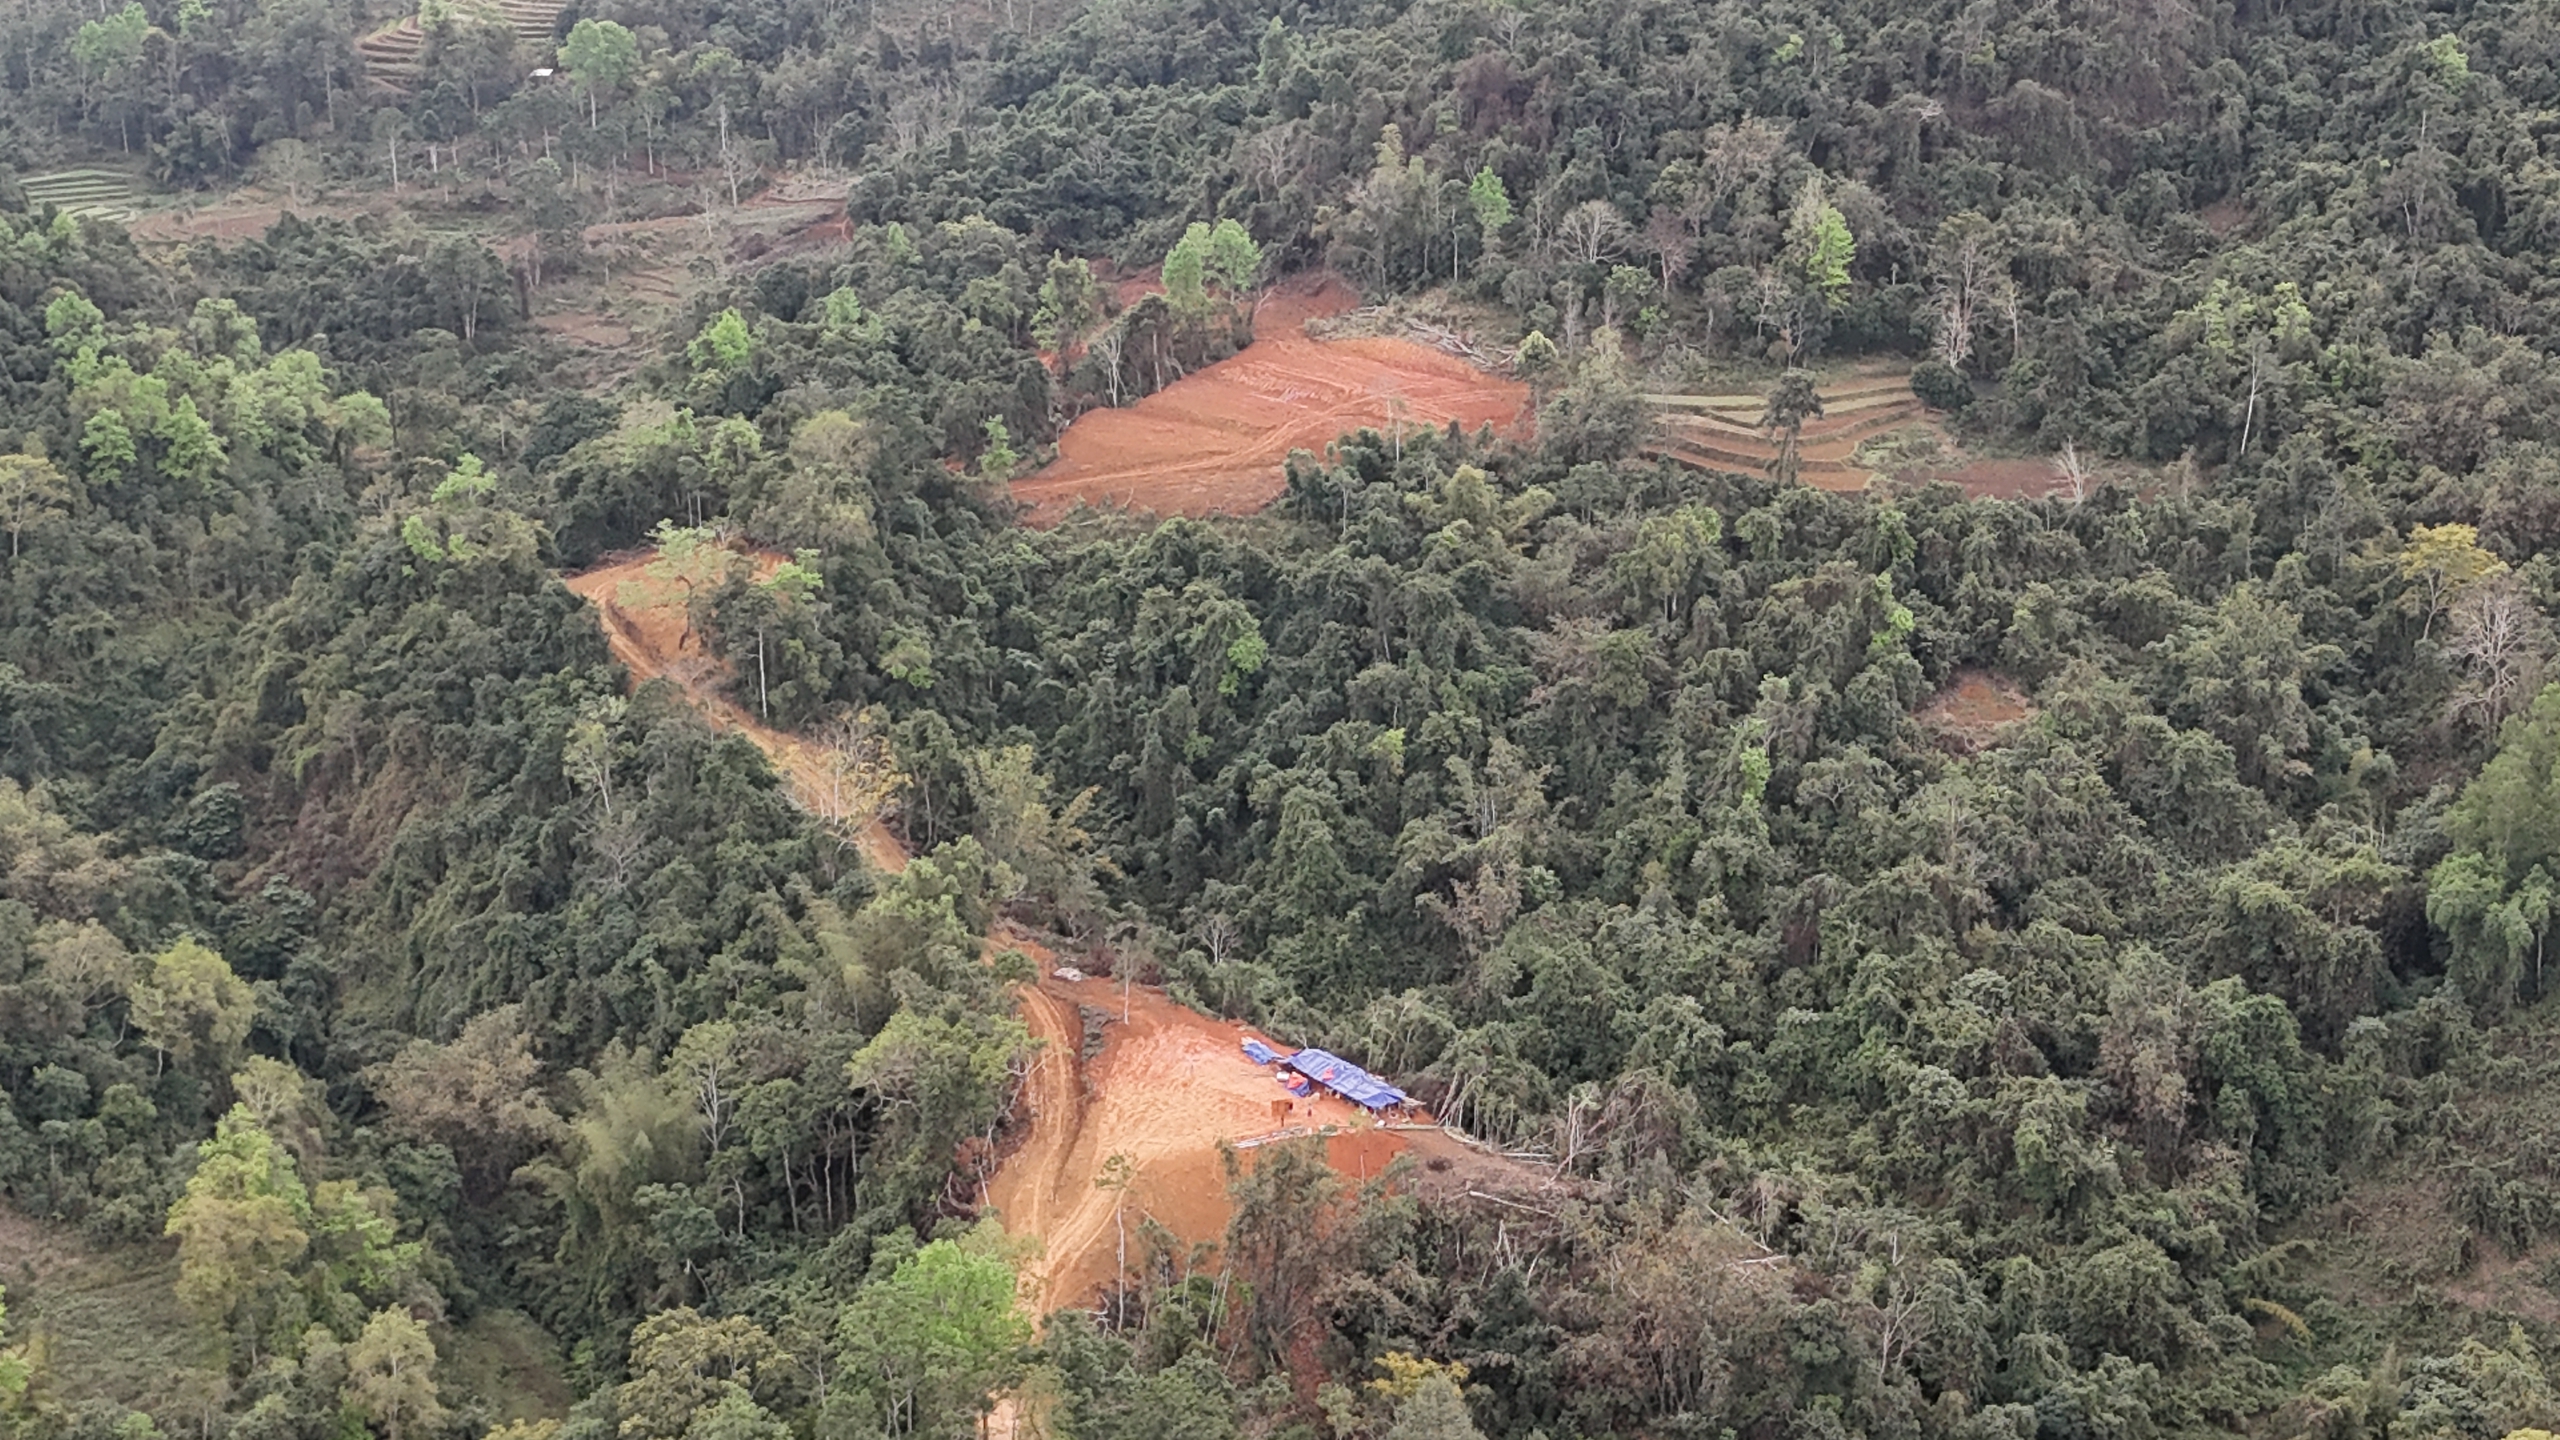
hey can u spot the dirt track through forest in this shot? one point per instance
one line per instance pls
(1168, 1089)
(1214, 441)
(644, 623)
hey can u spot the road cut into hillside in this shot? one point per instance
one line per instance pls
(645, 623)
(1169, 1087)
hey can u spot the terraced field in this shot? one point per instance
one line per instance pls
(393, 54)
(106, 194)
(1722, 432)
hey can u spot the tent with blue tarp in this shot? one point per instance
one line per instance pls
(1259, 1053)
(1346, 1079)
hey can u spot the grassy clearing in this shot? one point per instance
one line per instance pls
(101, 1324)
(2401, 1255)
(509, 1365)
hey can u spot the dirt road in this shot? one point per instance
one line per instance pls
(644, 623)
(1214, 441)
(1168, 1088)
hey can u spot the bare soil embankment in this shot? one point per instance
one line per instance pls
(1169, 1089)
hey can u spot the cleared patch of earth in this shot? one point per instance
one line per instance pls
(1170, 1090)
(1975, 708)
(645, 625)
(244, 214)
(586, 328)
(1214, 442)
(102, 1324)
(2003, 479)
(506, 1361)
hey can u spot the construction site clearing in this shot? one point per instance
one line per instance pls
(1172, 1090)
(1176, 1092)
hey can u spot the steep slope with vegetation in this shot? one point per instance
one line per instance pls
(415, 1005)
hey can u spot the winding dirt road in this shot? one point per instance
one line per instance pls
(1169, 1088)
(644, 624)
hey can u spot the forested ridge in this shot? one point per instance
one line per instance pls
(2067, 967)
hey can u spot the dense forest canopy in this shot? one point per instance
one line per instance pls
(2058, 967)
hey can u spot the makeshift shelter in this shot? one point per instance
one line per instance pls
(1347, 1080)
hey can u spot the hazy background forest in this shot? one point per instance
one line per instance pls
(2062, 960)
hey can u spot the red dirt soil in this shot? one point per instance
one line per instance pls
(1170, 1087)
(2003, 479)
(1214, 441)
(1975, 707)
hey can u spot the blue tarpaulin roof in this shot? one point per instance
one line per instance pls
(1346, 1079)
(1259, 1053)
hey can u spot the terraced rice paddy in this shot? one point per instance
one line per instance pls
(394, 54)
(106, 194)
(1723, 432)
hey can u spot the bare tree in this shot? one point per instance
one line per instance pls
(1966, 268)
(2503, 643)
(1667, 237)
(1222, 935)
(1107, 348)
(2072, 471)
(853, 777)
(2012, 307)
(1591, 233)
(1272, 158)
(1734, 159)
(737, 163)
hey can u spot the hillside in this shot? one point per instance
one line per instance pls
(675, 681)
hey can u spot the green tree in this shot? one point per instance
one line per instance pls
(1186, 272)
(2495, 897)
(685, 1365)
(109, 52)
(191, 1007)
(1791, 402)
(1043, 843)
(931, 1343)
(1819, 245)
(1233, 261)
(691, 558)
(16, 1369)
(998, 461)
(478, 1095)
(1537, 361)
(31, 492)
(1070, 302)
(1491, 204)
(600, 55)
(391, 1374)
(1435, 1410)
(724, 347)
(244, 1220)
(2440, 562)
